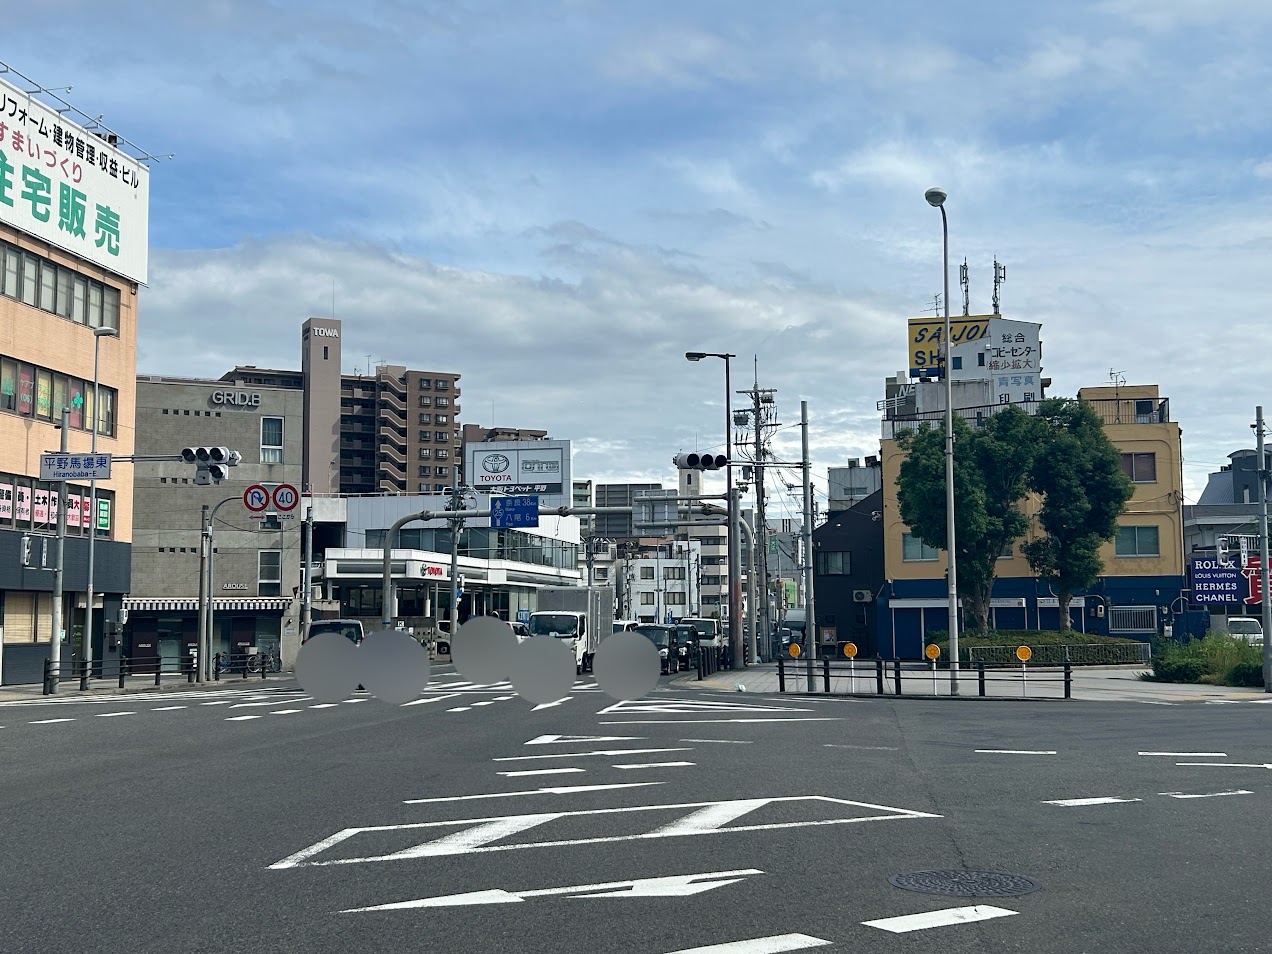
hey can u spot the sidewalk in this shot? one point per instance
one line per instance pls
(1102, 683)
(174, 682)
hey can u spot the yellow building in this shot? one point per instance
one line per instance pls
(1143, 566)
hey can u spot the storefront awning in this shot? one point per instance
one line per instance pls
(191, 605)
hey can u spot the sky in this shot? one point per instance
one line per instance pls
(558, 199)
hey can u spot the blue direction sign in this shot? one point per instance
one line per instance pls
(514, 512)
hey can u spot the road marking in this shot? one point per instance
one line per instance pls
(1194, 755)
(286, 711)
(864, 748)
(503, 698)
(485, 702)
(555, 771)
(931, 919)
(554, 739)
(107, 715)
(48, 721)
(461, 709)
(645, 765)
(1015, 752)
(700, 721)
(583, 755)
(674, 886)
(1154, 702)
(477, 837)
(219, 702)
(549, 705)
(685, 706)
(1263, 765)
(333, 705)
(1103, 800)
(426, 701)
(776, 944)
(563, 790)
(168, 708)
(727, 741)
(243, 718)
(1236, 791)
(268, 702)
(355, 700)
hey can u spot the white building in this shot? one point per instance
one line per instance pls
(660, 585)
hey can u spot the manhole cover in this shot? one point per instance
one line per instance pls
(966, 884)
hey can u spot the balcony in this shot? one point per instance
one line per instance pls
(389, 452)
(391, 484)
(393, 433)
(393, 401)
(1111, 411)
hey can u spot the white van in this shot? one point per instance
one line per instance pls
(1248, 628)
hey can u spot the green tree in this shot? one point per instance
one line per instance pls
(1077, 472)
(991, 468)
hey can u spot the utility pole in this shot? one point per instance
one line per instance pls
(59, 564)
(201, 636)
(456, 527)
(810, 615)
(1263, 553)
(761, 419)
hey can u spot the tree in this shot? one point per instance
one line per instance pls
(1078, 474)
(991, 468)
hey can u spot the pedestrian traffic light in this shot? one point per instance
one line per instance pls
(700, 461)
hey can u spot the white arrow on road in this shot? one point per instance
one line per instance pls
(1263, 765)
(554, 739)
(673, 886)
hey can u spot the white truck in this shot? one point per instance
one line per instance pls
(583, 615)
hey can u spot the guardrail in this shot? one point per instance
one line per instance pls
(122, 670)
(887, 677)
(1079, 654)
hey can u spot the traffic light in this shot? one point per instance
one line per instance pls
(213, 463)
(700, 461)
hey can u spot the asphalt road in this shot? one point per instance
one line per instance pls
(770, 823)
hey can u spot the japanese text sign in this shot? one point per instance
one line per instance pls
(514, 512)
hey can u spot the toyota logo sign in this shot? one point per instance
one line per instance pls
(495, 463)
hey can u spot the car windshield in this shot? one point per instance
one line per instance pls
(657, 635)
(706, 627)
(562, 625)
(351, 631)
(1245, 627)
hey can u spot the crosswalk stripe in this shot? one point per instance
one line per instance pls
(776, 944)
(931, 919)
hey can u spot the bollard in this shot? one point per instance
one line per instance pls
(980, 676)
(83, 675)
(699, 664)
(189, 669)
(216, 667)
(934, 692)
(158, 671)
(123, 670)
(879, 675)
(1068, 681)
(781, 674)
(267, 659)
(48, 676)
(826, 672)
(896, 675)
(244, 666)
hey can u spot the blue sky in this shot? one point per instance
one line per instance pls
(557, 199)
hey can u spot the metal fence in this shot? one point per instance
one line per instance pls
(1082, 654)
(154, 670)
(891, 678)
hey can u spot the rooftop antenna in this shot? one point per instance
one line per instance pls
(368, 366)
(1000, 276)
(1118, 379)
(966, 283)
(935, 307)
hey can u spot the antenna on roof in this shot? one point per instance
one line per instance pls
(935, 307)
(966, 283)
(1000, 276)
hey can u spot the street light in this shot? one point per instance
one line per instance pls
(936, 198)
(98, 335)
(735, 569)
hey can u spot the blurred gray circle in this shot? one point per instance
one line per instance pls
(327, 667)
(626, 666)
(394, 666)
(543, 670)
(482, 649)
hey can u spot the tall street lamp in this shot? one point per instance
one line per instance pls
(936, 198)
(98, 335)
(735, 569)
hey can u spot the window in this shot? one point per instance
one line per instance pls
(673, 573)
(646, 572)
(442, 385)
(271, 440)
(106, 413)
(8, 384)
(425, 401)
(442, 453)
(423, 470)
(48, 288)
(441, 471)
(1007, 552)
(443, 402)
(834, 563)
(325, 355)
(913, 549)
(438, 488)
(30, 272)
(426, 435)
(647, 599)
(600, 574)
(1137, 542)
(44, 394)
(1141, 468)
(423, 487)
(425, 453)
(443, 419)
(424, 384)
(79, 300)
(674, 599)
(269, 572)
(94, 305)
(440, 436)
(12, 270)
(958, 363)
(980, 360)
(426, 419)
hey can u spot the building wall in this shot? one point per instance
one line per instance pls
(320, 365)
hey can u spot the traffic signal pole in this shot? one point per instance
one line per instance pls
(59, 565)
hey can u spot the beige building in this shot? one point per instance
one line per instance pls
(50, 304)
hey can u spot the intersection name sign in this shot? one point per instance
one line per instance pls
(75, 467)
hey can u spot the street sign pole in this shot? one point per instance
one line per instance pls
(55, 639)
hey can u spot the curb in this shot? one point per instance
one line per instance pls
(137, 690)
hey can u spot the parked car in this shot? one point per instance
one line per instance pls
(623, 625)
(1248, 628)
(687, 637)
(665, 639)
(521, 629)
(349, 628)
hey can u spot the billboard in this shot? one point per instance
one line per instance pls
(541, 468)
(70, 188)
(926, 333)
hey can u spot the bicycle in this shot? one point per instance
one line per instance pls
(266, 658)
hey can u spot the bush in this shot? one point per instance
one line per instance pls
(1216, 659)
(1244, 674)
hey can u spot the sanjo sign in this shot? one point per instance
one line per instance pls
(70, 188)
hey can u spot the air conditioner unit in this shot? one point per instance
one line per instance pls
(862, 596)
